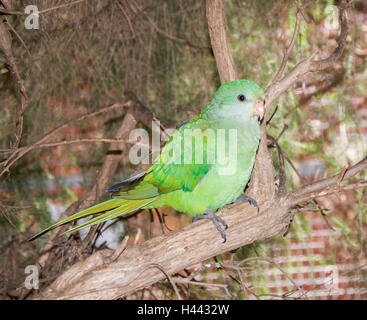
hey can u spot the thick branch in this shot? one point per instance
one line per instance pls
(173, 252)
(219, 38)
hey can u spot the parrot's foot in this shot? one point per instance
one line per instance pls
(243, 198)
(216, 220)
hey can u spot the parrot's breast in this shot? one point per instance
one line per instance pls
(224, 182)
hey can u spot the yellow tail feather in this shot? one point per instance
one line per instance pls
(120, 207)
(127, 207)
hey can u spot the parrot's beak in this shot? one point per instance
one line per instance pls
(259, 107)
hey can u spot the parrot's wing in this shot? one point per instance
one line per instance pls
(176, 168)
(134, 188)
(133, 179)
(185, 159)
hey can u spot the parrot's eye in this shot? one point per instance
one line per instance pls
(241, 98)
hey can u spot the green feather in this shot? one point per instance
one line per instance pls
(126, 207)
(107, 205)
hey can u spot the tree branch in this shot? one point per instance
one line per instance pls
(219, 38)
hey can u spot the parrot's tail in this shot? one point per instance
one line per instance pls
(112, 209)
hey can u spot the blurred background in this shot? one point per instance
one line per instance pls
(83, 57)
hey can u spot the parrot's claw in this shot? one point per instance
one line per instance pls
(243, 198)
(216, 220)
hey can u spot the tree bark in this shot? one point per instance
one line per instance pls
(219, 39)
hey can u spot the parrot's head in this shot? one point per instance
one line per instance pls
(242, 99)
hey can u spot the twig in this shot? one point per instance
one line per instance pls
(323, 215)
(282, 174)
(272, 115)
(5, 46)
(301, 179)
(278, 267)
(155, 265)
(12, 12)
(60, 6)
(330, 190)
(289, 49)
(19, 37)
(137, 236)
(281, 132)
(200, 269)
(121, 248)
(4, 210)
(322, 187)
(120, 5)
(67, 142)
(341, 175)
(198, 283)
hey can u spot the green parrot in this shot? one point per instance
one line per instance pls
(205, 165)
